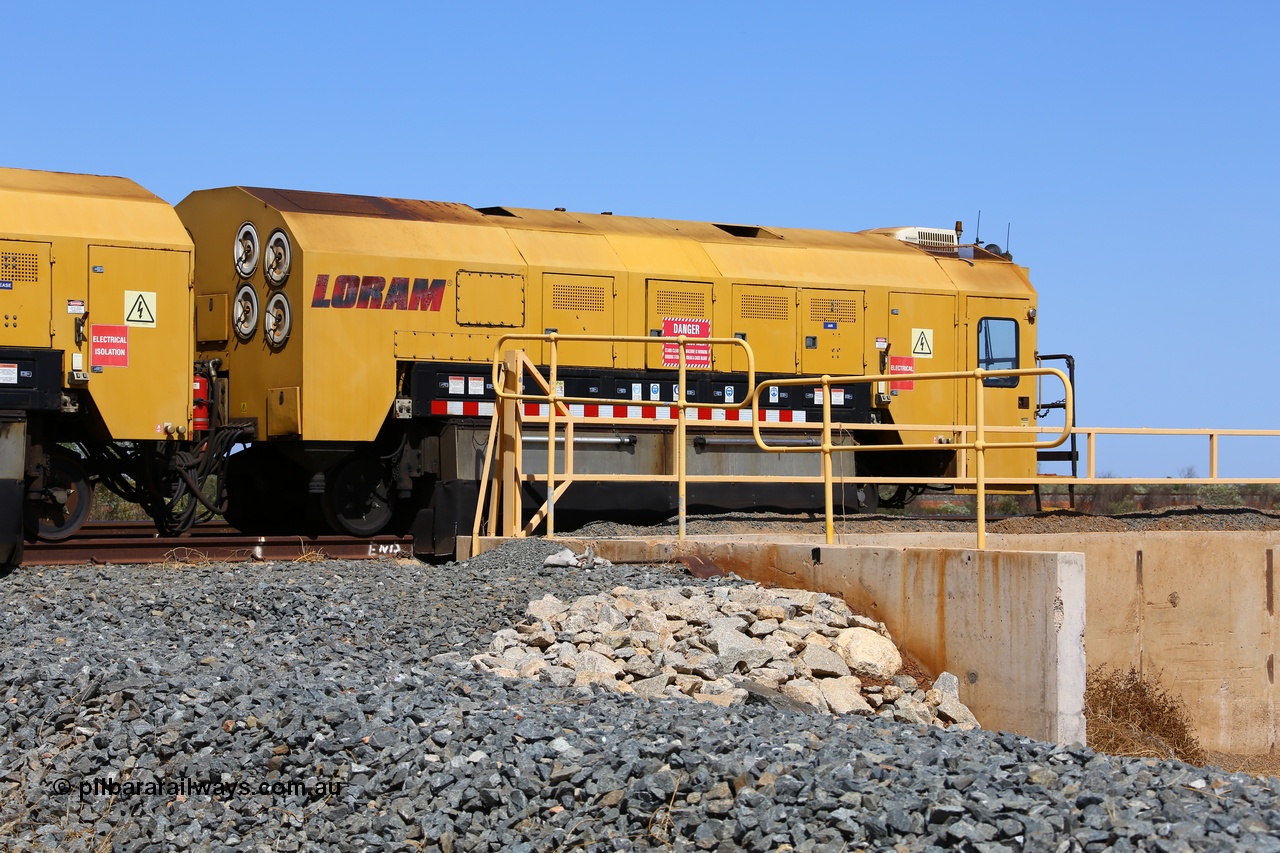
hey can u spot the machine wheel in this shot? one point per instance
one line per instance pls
(868, 497)
(63, 503)
(359, 497)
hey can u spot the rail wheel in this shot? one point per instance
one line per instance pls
(58, 508)
(359, 497)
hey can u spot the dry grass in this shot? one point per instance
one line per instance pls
(308, 554)
(1130, 714)
(180, 558)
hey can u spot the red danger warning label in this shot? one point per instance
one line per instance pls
(902, 364)
(109, 346)
(695, 355)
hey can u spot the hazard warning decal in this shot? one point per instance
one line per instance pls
(140, 308)
(695, 355)
(922, 343)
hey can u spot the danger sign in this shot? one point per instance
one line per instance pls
(902, 364)
(109, 346)
(695, 355)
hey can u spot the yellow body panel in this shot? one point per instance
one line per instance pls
(809, 302)
(765, 316)
(26, 276)
(831, 332)
(580, 305)
(74, 224)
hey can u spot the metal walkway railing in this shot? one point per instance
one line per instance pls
(504, 470)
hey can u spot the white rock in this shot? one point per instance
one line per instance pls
(823, 662)
(594, 662)
(761, 627)
(844, 695)
(546, 607)
(948, 684)
(868, 653)
(952, 710)
(651, 687)
(803, 690)
(563, 559)
(733, 647)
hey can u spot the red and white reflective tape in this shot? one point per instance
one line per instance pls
(466, 408)
(484, 409)
(667, 413)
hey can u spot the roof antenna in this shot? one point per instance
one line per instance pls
(977, 240)
(1008, 227)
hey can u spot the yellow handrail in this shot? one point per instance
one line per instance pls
(979, 444)
(973, 437)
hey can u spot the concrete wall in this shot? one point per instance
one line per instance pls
(1195, 609)
(1009, 625)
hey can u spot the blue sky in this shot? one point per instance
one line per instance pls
(1128, 149)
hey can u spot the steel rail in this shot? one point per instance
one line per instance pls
(124, 543)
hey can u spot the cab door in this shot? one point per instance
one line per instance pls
(998, 337)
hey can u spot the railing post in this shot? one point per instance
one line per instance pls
(509, 455)
(681, 460)
(979, 446)
(1213, 455)
(826, 456)
(551, 440)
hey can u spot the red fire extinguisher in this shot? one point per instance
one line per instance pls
(200, 402)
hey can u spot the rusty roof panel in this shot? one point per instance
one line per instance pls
(336, 204)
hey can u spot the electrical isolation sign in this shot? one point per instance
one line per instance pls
(109, 346)
(695, 355)
(903, 364)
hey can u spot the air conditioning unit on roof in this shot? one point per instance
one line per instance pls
(932, 239)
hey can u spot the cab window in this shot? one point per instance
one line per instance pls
(998, 350)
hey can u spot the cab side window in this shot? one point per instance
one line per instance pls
(998, 350)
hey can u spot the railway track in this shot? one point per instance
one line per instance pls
(120, 542)
(104, 543)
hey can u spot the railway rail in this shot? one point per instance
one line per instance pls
(106, 543)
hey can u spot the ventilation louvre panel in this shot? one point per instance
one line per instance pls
(20, 266)
(756, 306)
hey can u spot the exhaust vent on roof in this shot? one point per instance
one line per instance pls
(752, 231)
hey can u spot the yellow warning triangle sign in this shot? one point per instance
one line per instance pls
(921, 346)
(141, 312)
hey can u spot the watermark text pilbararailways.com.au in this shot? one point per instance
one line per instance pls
(190, 786)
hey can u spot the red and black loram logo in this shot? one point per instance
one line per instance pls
(372, 291)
